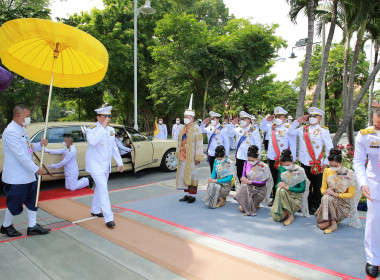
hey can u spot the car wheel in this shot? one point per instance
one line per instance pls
(169, 161)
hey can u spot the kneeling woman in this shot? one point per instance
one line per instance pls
(219, 184)
(255, 180)
(290, 186)
(338, 186)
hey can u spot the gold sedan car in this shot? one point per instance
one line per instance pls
(146, 152)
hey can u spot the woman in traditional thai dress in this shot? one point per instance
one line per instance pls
(255, 180)
(219, 183)
(290, 187)
(338, 186)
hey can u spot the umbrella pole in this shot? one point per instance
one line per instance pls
(44, 137)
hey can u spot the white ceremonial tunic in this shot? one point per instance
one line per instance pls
(252, 134)
(122, 149)
(175, 131)
(220, 138)
(284, 140)
(19, 167)
(163, 131)
(319, 137)
(101, 148)
(368, 146)
(70, 165)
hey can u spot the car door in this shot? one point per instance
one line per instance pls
(55, 136)
(142, 149)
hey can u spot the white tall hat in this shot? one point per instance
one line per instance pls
(190, 111)
(104, 111)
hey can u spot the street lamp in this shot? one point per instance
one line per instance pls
(147, 10)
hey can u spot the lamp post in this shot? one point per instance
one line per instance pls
(147, 10)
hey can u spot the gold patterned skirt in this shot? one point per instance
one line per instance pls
(285, 200)
(214, 191)
(332, 208)
(249, 196)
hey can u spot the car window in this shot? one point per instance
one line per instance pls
(134, 135)
(56, 134)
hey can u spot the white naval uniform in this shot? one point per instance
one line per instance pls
(175, 131)
(368, 145)
(221, 138)
(284, 140)
(252, 138)
(19, 167)
(101, 148)
(319, 137)
(163, 131)
(69, 162)
(231, 135)
(122, 149)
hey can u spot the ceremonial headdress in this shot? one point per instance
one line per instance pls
(190, 111)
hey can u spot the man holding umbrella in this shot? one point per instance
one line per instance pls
(101, 148)
(19, 173)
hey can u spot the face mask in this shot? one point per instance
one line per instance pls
(224, 122)
(160, 122)
(64, 144)
(177, 122)
(252, 162)
(277, 121)
(313, 121)
(26, 121)
(213, 123)
(121, 138)
(287, 167)
(335, 168)
(243, 123)
(186, 121)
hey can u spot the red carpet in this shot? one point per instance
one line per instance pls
(55, 194)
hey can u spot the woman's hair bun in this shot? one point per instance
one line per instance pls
(286, 153)
(253, 149)
(220, 151)
(335, 152)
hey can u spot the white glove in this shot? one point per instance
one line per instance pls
(52, 166)
(47, 150)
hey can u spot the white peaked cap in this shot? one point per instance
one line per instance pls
(190, 111)
(214, 114)
(280, 111)
(315, 111)
(104, 111)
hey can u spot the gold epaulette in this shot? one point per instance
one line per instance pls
(222, 126)
(92, 126)
(368, 130)
(287, 125)
(325, 127)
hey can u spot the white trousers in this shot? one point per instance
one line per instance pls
(372, 226)
(232, 143)
(72, 183)
(101, 201)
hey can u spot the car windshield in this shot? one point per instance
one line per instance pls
(134, 135)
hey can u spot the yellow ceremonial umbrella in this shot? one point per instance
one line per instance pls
(53, 54)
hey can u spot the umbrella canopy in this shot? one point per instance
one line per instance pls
(5, 79)
(28, 46)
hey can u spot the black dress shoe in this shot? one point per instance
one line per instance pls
(10, 231)
(191, 199)
(233, 189)
(110, 224)
(37, 229)
(90, 182)
(372, 270)
(100, 215)
(312, 211)
(185, 198)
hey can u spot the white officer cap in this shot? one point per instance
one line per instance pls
(315, 111)
(243, 114)
(190, 111)
(104, 111)
(290, 117)
(214, 114)
(279, 111)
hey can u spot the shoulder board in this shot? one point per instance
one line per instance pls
(325, 127)
(92, 126)
(69, 149)
(287, 125)
(253, 128)
(368, 130)
(222, 126)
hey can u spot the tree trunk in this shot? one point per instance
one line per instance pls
(44, 91)
(204, 101)
(325, 55)
(306, 68)
(355, 104)
(345, 73)
(359, 40)
(370, 114)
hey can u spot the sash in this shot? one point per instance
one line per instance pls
(212, 136)
(315, 164)
(275, 147)
(241, 140)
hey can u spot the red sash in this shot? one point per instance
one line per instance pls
(275, 147)
(315, 164)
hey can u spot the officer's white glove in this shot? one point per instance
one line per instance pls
(47, 150)
(52, 166)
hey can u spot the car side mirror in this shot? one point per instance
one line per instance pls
(150, 138)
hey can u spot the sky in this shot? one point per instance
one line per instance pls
(258, 11)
